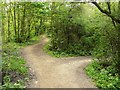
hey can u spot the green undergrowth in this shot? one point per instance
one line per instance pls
(70, 52)
(15, 73)
(33, 40)
(104, 77)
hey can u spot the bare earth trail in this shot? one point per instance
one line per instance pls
(54, 72)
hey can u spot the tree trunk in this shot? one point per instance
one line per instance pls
(22, 33)
(18, 21)
(8, 14)
(3, 29)
(15, 21)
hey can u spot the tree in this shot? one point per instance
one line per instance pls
(116, 23)
(107, 12)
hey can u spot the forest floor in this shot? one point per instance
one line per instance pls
(51, 72)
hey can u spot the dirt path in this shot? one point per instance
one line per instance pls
(53, 72)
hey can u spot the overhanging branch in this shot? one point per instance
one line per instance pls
(106, 12)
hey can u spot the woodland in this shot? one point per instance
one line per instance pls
(74, 29)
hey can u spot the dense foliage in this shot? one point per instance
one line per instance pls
(15, 72)
(22, 20)
(68, 33)
(104, 77)
(74, 29)
(105, 70)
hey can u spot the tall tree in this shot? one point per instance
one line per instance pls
(15, 19)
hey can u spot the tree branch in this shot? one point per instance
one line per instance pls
(106, 12)
(109, 8)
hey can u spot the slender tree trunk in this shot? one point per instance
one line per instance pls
(29, 30)
(18, 21)
(15, 20)
(3, 29)
(52, 25)
(22, 34)
(39, 27)
(8, 14)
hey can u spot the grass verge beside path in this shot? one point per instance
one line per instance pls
(14, 70)
(104, 77)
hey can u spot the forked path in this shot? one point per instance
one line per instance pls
(53, 72)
